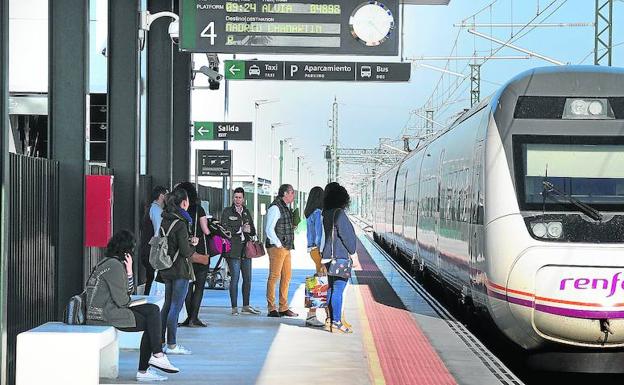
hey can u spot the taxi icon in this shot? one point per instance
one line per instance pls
(254, 70)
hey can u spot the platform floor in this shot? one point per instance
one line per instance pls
(399, 338)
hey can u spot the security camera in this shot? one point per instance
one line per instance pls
(212, 73)
(174, 31)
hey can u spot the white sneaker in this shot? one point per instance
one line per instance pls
(179, 349)
(234, 311)
(150, 375)
(249, 310)
(312, 321)
(163, 364)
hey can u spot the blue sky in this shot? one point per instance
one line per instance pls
(370, 111)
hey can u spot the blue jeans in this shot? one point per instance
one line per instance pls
(236, 266)
(175, 293)
(334, 295)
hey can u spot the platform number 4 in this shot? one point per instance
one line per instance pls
(209, 32)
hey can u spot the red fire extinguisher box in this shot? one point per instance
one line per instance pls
(98, 210)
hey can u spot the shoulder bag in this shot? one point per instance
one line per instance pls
(254, 248)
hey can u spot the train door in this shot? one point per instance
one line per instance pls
(402, 234)
(387, 215)
(437, 211)
(398, 217)
(476, 240)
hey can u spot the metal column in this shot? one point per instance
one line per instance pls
(4, 186)
(67, 106)
(181, 147)
(159, 97)
(123, 110)
(281, 159)
(603, 40)
(475, 84)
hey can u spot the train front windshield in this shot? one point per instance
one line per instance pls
(590, 173)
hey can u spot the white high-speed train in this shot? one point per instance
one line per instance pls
(518, 208)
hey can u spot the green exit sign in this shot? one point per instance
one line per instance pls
(203, 131)
(222, 131)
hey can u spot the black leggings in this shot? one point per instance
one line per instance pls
(196, 291)
(149, 274)
(147, 320)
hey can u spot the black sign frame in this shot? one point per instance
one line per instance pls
(214, 162)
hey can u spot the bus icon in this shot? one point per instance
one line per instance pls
(366, 71)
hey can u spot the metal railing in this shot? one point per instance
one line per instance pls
(32, 259)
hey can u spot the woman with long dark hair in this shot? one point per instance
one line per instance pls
(177, 223)
(340, 244)
(108, 303)
(314, 222)
(200, 230)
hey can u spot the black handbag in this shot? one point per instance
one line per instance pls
(338, 267)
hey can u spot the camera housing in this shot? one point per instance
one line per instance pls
(174, 31)
(211, 73)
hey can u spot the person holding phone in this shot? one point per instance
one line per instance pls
(108, 303)
(237, 220)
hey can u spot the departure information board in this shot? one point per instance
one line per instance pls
(290, 26)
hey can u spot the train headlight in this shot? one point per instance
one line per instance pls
(539, 229)
(595, 108)
(555, 229)
(588, 108)
(578, 107)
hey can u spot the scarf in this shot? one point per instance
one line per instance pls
(185, 214)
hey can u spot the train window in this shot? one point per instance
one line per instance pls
(591, 172)
(539, 107)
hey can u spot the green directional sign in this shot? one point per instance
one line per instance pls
(222, 131)
(254, 70)
(204, 131)
(235, 69)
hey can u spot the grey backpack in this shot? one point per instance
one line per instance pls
(159, 247)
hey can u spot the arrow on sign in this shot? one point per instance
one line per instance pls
(233, 70)
(201, 130)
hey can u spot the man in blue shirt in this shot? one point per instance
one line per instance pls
(280, 232)
(149, 228)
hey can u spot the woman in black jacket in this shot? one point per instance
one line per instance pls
(201, 231)
(108, 303)
(238, 221)
(176, 222)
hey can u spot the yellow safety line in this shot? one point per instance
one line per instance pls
(369, 344)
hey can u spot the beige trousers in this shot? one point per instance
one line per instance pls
(279, 268)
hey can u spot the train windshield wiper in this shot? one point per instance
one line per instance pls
(591, 212)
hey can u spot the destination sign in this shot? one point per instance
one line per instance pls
(290, 26)
(222, 131)
(214, 162)
(324, 71)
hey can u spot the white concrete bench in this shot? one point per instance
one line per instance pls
(132, 340)
(56, 353)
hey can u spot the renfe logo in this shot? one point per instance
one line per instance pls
(594, 283)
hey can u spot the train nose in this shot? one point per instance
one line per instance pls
(574, 302)
(580, 304)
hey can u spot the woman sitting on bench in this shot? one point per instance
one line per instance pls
(108, 303)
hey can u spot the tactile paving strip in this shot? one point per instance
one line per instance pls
(405, 354)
